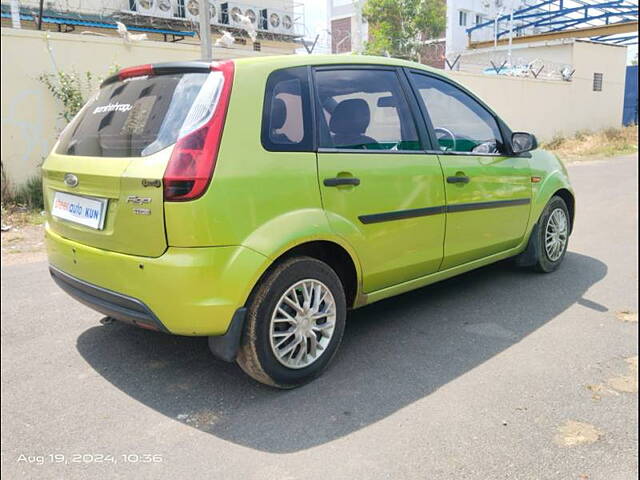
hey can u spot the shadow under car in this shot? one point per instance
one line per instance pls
(394, 353)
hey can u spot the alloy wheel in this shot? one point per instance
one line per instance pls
(302, 324)
(556, 234)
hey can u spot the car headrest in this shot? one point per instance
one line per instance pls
(278, 113)
(350, 117)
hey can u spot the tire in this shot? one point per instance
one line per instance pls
(263, 351)
(548, 260)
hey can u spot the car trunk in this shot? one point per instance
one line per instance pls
(133, 220)
(103, 184)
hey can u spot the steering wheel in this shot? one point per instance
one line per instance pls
(448, 133)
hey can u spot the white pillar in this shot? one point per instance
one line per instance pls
(15, 14)
(205, 31)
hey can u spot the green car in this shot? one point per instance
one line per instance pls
(255, 201)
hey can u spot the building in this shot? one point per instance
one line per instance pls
(475, 24)
(348, 29)
(278, 24)
(464, 14)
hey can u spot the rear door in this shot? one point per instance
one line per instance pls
(488, 193)
(112, 158)
(380, 190)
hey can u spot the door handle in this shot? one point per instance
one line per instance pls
(458, 179)
(338, 181)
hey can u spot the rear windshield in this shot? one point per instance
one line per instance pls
(133, 118)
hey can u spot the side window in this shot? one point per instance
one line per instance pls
(460, 123)
(364, 109)
(286, 116)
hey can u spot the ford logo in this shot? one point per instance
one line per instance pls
(70, 180)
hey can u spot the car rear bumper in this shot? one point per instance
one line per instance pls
(186, 291)
(113, 304)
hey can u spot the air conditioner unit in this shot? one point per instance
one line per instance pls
(288, 23)
(252, 13)
(142, 7)
(230, 11)
(165, 8)
(280, 21)
(153, 8)
(192, 10)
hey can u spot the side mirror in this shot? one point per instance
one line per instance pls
(523, 142)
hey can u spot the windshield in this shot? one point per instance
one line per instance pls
(135, 117)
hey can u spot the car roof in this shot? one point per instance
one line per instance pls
(281, 61)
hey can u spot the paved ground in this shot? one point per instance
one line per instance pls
(497, 374)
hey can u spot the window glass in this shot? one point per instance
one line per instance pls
(364, 109)
(134, 117)
(597, 82)
(286, 113)
(286, 118)
(462, 18)
(461, 124)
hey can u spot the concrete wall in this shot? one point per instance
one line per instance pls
(30, 122)
(552, 55)
(548, 108)
(519, 102)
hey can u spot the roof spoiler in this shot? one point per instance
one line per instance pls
(167, 68)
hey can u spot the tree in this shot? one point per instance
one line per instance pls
(400, 27)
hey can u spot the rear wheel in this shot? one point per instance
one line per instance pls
(295, 321)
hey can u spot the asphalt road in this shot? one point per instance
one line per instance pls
(483, 376)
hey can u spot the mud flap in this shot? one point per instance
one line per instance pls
(225, 347)
(529, 257)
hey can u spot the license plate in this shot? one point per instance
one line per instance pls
(87, 211)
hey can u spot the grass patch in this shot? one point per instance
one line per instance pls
(25, 205)
(17, 216)
(605, 143)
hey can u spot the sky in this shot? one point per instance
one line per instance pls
(315, 19)
(315, 14)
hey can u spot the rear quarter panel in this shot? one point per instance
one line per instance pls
(267, 201)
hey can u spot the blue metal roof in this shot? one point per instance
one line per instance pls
(563, 15)
(113, 26)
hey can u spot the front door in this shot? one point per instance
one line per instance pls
(488, 194)
(381, 192)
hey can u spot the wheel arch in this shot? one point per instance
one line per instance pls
(556, 183)
(570, 201)
(334, 254)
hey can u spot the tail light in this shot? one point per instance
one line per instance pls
(193, 159)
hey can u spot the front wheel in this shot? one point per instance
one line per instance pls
(552, 233)
(295, 321)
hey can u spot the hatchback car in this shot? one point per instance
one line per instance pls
(256, 201)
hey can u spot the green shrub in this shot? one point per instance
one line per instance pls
(70, 89)
(29, 194)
